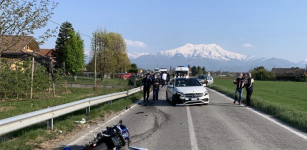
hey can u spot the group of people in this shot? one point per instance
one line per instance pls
(155, 82)
(240, 83)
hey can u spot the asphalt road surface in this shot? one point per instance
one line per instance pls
(219, 125)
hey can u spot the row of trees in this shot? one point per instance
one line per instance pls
(260, 73)
(198, 70)
(111, 55)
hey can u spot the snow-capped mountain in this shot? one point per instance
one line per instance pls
(136, 55)
(211, 56)
(189, 51)
(303, 63)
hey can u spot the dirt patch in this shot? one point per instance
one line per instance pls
(6, 108)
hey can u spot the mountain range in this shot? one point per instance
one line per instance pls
(211, 56)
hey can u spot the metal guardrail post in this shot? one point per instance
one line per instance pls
(88, 110)
(50, 124)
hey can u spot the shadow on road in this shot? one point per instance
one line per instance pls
(225, 104)
(72, 147)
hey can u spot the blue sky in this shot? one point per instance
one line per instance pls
(262, 28)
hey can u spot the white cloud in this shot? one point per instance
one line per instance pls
(248, 45)
(135, 43)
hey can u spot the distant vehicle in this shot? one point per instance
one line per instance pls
(183, 70)
(126, 75)
(162, 70)
(186, 91)
(156, 71)
(205, 79)
(118, 75)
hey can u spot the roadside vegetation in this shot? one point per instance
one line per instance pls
(38, 137)
(286, 101)
(90, 80)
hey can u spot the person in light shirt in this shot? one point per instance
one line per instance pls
(164, 77)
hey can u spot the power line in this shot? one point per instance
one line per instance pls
(78, 31)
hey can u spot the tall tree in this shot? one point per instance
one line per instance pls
(73, 53)
(63, 36)
(203, 69)
(111, 53)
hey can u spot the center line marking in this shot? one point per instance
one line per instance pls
(193, 140)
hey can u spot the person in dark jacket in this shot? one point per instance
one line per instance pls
(146, 82)
(155, 88)
(239, 82)
(167, 78)
(249, 89)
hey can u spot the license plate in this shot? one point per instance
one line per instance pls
(193, 99)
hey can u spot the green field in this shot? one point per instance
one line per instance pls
(286, 101)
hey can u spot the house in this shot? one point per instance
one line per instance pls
(289, 73)
(21, 48)
(47, 53)
(18, 44)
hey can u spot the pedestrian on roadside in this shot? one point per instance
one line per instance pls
(155, 88)
(146, 84)
(239, 88)
(164, 77)
(167, 78)
(249, 89)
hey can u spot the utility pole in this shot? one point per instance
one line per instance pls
(32, 72)
(95, 79)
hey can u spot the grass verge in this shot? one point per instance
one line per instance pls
(90, 80)
(35, 137)
(11, 108)
(285, 101)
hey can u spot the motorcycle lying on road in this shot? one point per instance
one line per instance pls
(115, 138)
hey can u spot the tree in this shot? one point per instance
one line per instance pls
(194, 71)
(22, 17)
(73, 52)
(111, 53)
(133, 69)
(203, 69)
(63, 36)
(260, 73)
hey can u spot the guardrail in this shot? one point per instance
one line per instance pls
(21, 121)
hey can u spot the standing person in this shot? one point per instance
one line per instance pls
(167, 78)
(155, 88)
(178, 75)
(146, 82)
(249, 89)
(239, 88)
(164, 77)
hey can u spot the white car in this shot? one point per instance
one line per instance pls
(186, 91)
(205, 79)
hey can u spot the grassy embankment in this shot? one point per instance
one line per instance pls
(106, 81)
(35, 136)
(286, 101)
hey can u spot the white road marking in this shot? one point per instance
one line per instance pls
(193, 140)
(91, 132)
(270, 118)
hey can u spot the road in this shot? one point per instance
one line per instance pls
(219, 125)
